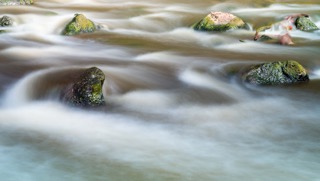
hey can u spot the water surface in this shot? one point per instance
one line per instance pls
(176, 108)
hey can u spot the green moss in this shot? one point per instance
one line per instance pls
(79, 24)
(294, 70)
(26, 2)
(6, 21)
(87, 91)
(305, 24)
(276, 73)
(208, 24)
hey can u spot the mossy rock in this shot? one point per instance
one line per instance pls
(16, 2)
(87, 90)
(276, 73)
(6, 21)
(26, 2)
(305, 24)
(79, 24)
(220, 22)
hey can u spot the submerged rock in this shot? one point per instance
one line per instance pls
(87, 90)
(79, 24)
(220, 22)
(304, 23)
(275, 73)
(278, 39)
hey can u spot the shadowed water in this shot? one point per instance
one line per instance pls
(176, 107)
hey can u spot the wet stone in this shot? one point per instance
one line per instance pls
(305, 24)
(220, 22)
(79, 24)
(6, 21)
(276, 73)
(87, 90)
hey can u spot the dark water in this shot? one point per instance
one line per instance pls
(176, 108)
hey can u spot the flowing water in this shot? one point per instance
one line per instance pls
(176, 108)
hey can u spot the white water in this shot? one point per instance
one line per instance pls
(176, 108)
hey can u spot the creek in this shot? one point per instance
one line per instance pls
(176, 107)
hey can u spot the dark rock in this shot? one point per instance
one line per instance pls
(220, 22)
(263, 38)
(26, 2)
(87, 90)
(6, 21)
(275, 73)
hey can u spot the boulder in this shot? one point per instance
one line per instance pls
(276, 73)
(220, 22)
(79, 24)
(304, 23)
(87, 90)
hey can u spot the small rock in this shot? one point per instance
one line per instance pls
(87, 90)
(79, 24)
(220, 22)
(276, 73)
(285, 39)
(262, 38)
(6, 21)
(304, 23)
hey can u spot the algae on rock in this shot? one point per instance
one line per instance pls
(305, 24)
(26, 2)
(5, 21)
(276, 73)
(79, 24)
(220, 22)
(87, 90)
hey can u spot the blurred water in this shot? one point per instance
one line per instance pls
(176, 108)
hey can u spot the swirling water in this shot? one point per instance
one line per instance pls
(176, 107)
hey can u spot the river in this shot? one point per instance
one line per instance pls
(176, 109)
